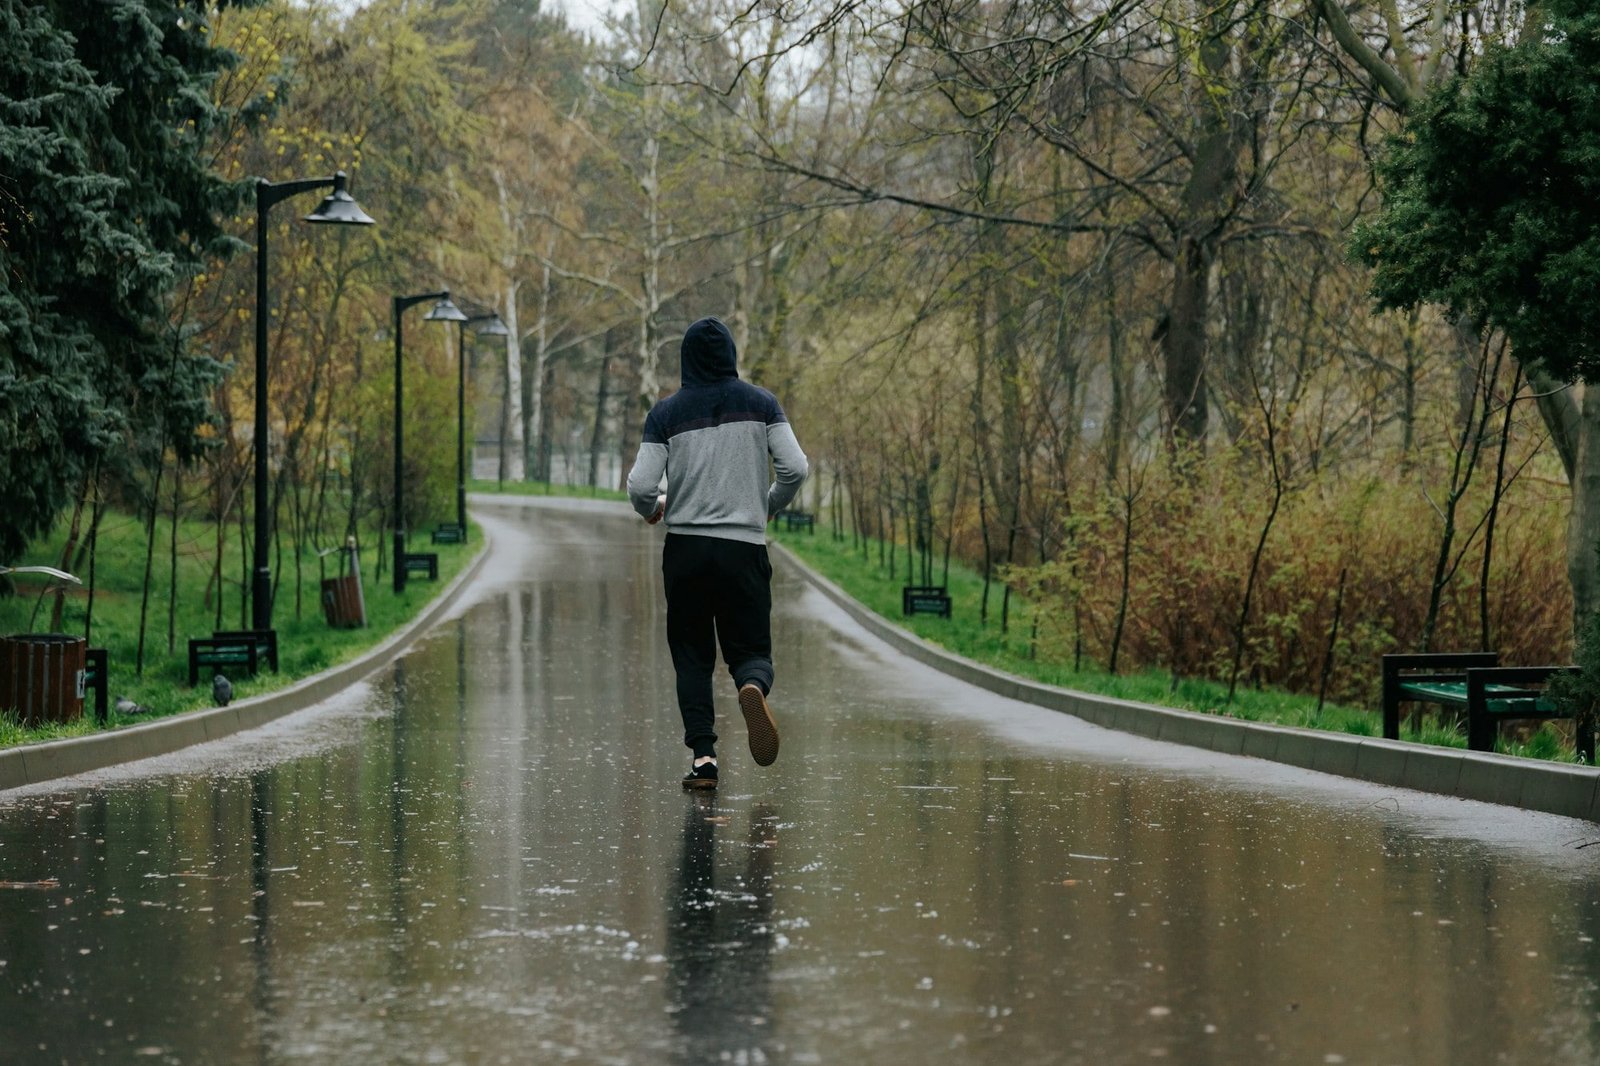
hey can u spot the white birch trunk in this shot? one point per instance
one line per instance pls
(534, 416)
(513, 450)
(649, 379)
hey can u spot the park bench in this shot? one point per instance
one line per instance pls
(94, 677)
(925, 599)
(793, 520)
(248, 648)
(449, 533)
(422, 563)
(1475, 684)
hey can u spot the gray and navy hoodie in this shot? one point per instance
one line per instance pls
(712, 439)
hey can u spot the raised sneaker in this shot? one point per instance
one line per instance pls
(759, 723)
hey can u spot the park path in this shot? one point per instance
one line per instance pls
(483, 856)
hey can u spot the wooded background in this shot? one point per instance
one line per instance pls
(1136, 306)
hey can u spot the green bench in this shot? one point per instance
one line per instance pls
(449, 533)
(925, 599)
(249, 648)
(1475, 684)
(793, 520)
(422, 563)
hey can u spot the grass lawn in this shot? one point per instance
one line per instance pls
(864, 579)
(159, 682)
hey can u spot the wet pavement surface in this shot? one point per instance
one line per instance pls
(483, 856)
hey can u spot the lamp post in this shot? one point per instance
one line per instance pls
(442, 311)
(492, 326)
(337, 208)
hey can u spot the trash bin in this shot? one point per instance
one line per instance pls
(42, 676)
(341, 602)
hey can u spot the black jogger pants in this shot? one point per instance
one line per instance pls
(717, 590)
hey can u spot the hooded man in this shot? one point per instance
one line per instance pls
(712, 440)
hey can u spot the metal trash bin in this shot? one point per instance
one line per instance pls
(42, 676)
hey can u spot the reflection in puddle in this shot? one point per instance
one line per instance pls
(720, 937)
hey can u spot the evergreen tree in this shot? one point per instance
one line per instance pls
(106, 205)
(1492, 195)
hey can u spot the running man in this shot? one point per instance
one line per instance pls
(712, 440)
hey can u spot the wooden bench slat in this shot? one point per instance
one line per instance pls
(1455, 692)
(1533, 705)
(1436, 692)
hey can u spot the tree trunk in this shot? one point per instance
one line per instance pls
(74, 529)
(1490, 521)
(1573, 419)
(172, 559)
(514, 466)
(533, 412)
(596, 436)
(513, 452)
(1117, 417)
(1214, 171)
(1183, 345)
(1583, 524)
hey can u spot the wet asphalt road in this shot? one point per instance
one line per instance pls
(484, 857)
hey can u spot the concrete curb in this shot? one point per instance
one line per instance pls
(1554, 788)
(50, 760)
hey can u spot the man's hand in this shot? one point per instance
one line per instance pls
(661, 509)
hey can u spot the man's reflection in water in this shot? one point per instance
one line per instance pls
(720, 940)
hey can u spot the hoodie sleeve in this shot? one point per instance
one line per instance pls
(649, 466)
(788, 464)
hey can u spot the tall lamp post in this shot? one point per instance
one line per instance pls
(442, 311)
(492, 326)
(337, 208)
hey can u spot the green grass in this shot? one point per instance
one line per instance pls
(863, 578)
(306, 644)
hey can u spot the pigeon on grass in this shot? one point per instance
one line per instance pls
(221, 690)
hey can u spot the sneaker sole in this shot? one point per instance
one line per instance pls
(760, 725)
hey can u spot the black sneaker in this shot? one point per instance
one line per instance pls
(759, 723)
(702, 776)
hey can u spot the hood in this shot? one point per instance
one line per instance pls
(708, 354)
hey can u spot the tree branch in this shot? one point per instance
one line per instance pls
(1388, 79)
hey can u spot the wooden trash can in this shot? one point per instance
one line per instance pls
(42, 677)
(341, 602)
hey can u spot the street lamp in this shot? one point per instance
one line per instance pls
(442, 311)
(492, 326)
(337, 208)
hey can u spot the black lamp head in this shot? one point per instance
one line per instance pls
(339, 207)
(445, 311)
